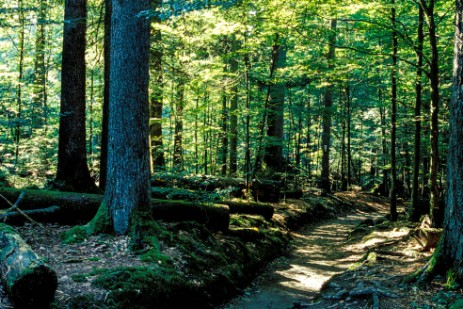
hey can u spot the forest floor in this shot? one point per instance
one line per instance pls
(359, 260)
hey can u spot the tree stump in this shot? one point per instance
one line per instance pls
(27, 279)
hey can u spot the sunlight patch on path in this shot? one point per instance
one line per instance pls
(319, 253)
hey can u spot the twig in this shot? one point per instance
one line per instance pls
(14, 207)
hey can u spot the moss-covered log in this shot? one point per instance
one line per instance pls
(236, 206)
(199, 182)
(79, 208)
(215, 216)
(265, 210)
(27, 279)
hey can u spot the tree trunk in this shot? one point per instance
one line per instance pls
(73, 173)
(328, 103)
(19, 115)
(234, 111)
(156, 103)
(434, 83)
(349, 148)
(308, 136)
(247, 147)
(178, 133)
(448, 257)
(224, 134)
(273, 157)
(417, 212)
(28, 280)
(393, 192)
(128, 131)
(382, 112)
(39, 83)
(105, 109)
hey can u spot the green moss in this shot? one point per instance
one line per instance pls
(143, 287)
(75, 235)
(101, 223)
(248, 221)
(80, 277)
(153, 253)
(458, 304)
(7, 228)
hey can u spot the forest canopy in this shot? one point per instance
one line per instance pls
(321, 93)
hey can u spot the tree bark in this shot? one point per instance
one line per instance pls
(428, 9)
(224, 133)
(328, 103)
(273, 157)
(19, 113)
(393, 192)
(233, 164)
(156, 102)
(73, 173)
(39, 83)
(105, 113)
(127, 189)
(417, 211)
(448, 257)
(178, 133)
(28, 280)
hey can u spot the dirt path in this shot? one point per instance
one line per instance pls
(319, 252)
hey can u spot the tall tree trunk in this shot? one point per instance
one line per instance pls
(39, 83)
(417, 210)
(178, 133)
(428, 9)
(247, 147)
(328, 103)
(156, 103)
(196, 138)
(349, 149)
(345, 115)
(308, 136)
(224, 134)
(273, 156)
(448, 257)
(393, 192)
(20, 79)
(128, 151)
(105, 113)
(73, 173)
(233, 167)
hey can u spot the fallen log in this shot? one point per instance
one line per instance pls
(243, 207)
(79, 208)
(28, 280)
(75, 208)
(208, 183)
(42, 215)
(250, 208)
(215, 216)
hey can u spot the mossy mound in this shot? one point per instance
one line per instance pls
(184, 264)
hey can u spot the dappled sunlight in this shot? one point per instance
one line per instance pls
(382, 236)
(321, 252)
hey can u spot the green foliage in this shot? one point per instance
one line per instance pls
(453, 280)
